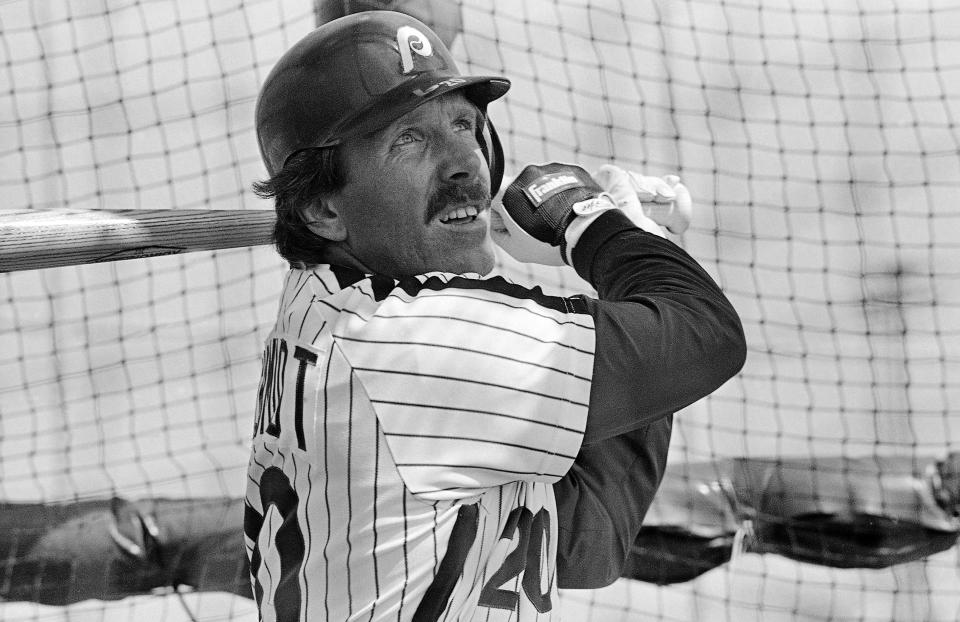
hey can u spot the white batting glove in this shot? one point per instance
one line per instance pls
(650, 202)
(511, 237)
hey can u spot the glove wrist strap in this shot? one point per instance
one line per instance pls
(583, 214)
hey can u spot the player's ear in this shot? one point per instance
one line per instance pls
(322, 217)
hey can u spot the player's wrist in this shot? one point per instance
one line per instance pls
(585, 213)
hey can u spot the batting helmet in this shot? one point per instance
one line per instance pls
(357, 74)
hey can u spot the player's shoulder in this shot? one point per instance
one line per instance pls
(494, 287)
(336, 289)
(338, 281)
(310, 298)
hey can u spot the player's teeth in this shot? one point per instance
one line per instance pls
(460, 213)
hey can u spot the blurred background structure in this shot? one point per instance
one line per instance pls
(819, 140)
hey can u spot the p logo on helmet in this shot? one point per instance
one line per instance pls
(409, 39)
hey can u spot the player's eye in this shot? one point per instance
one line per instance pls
(465, 123)
(405, 138)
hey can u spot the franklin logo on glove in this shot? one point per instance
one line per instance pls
(548, 185)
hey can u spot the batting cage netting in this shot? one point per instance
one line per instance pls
(818, 138)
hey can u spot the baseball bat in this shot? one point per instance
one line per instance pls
(32, 239)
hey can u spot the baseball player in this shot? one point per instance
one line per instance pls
(431, 443)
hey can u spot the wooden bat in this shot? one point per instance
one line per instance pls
(31, 239)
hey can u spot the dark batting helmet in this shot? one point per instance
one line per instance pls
(358, 74)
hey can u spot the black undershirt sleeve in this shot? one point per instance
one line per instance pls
(666, 336)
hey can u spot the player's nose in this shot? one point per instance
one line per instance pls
(461, 160)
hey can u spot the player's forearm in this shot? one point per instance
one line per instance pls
(601, 503)
(666, 334)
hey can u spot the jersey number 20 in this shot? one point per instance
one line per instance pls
(534, 529)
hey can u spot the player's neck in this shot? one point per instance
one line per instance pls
(336, 255)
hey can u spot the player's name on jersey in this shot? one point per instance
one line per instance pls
(280, 368)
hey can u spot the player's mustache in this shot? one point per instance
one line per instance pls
(446, 193)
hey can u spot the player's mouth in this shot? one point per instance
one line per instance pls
(461, 214)
(458, 205)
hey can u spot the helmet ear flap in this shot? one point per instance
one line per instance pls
(493, 152)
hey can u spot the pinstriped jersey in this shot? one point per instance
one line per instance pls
(406, 439)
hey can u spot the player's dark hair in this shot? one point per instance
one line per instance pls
(305, 177)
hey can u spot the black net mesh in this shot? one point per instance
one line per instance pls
(818, 138)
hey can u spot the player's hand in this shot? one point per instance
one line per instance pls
(651, 202)
(531, 217)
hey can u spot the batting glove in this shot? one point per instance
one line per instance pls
(511, 237)
(650, 202)
(536, 208)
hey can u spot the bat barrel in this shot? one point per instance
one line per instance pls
(49, 238)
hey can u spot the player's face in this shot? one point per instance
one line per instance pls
(417, 197)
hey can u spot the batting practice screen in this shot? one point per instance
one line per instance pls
(819, 140)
